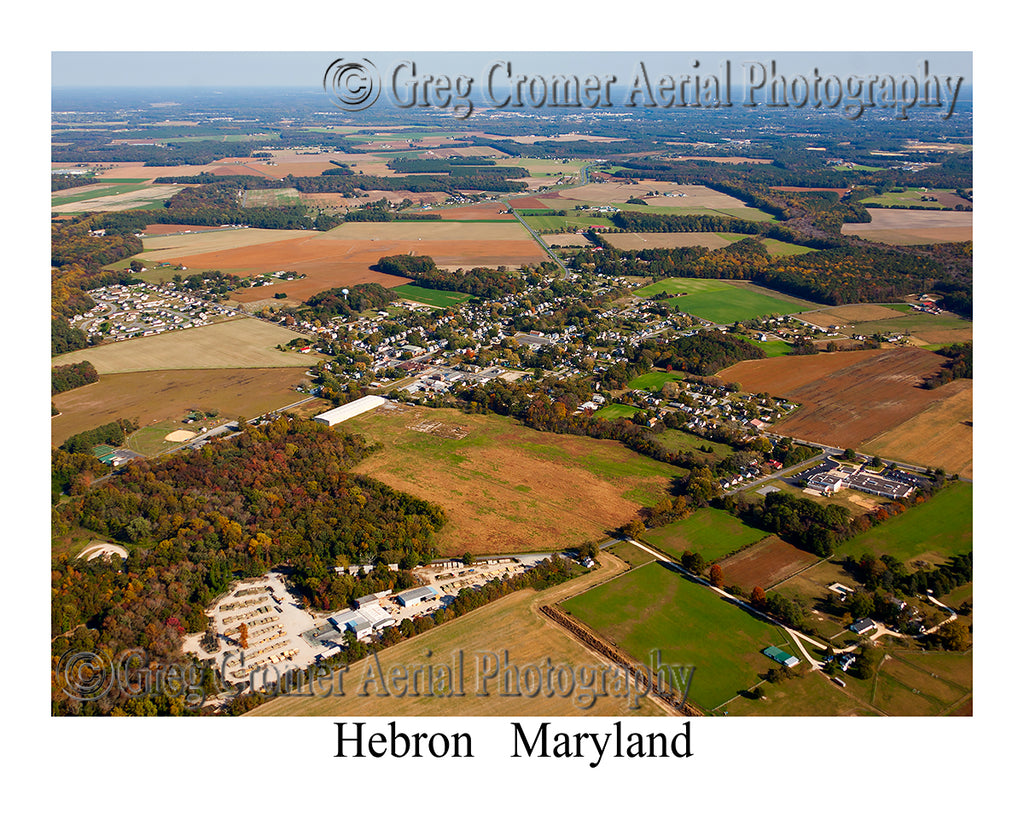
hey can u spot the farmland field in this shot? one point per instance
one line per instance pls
(932, 531)
(163, 395)
(434, 298)
(711, 533)
(511, 623)
(123, 197)
(773, 348)
(846, 398)
(914, 227)
(571, 221)
(342, 257)
(508, 488)
(654, 608)
(941, 435)
(911, 198)
(765, 564)
(806, 694)
(236, 343)
(717, 301)
(643, 241)
(848, 314)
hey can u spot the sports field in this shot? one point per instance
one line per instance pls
(232, 344)
(717, 301)
(505, 487)
(711, 533)
(932, 531)
(655, 608)
(434, 298)
(511, 623)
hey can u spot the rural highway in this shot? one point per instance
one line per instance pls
(540, 241)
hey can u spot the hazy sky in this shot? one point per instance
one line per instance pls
(297, 69)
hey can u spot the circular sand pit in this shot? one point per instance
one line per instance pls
(99, 549)
(179, 435)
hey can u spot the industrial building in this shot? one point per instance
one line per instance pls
(417, 595)
(350, 410)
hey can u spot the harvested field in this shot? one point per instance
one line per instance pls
(486, 210)
(505, 487)
(343, 256)
(725, 160)
(765, 564)
(567, 240)
(697, 196)
(166, 230)
(850, 314)
(233, 344)
(847, 397)
(942, 435)
(513, 623)
(165, 395)
(914, 227)
(645, 241)
(128, 200)
(162, 248)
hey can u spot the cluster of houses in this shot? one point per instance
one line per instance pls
(130, 311)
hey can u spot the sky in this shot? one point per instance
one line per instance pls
(297, 69)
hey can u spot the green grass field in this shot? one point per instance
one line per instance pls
(613, 411)
(711, 533)
(435, 298)
(717, 301)
(654, 381)
(654, 608)
(682, 441)
(912, 324)
(777, 247)
(934, 531)
(773, 348)
(571, 222)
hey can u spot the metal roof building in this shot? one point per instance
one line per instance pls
(417, 595)
(350, 410)
(780, 656)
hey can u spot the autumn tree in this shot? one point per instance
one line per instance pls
(758, 599)
(715, 575)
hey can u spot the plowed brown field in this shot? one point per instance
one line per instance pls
(846, 397)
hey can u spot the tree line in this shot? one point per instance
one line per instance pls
(484, 282)
(66, 377)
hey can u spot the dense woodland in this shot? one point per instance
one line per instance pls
(66, 377)
(960, 364)
(479, 281)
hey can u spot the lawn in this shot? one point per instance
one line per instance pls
(434, 298)
(654, 381)
(653, 608)
(717, 301)
(613, 411)
(773, 348)
(933, 531)
(711, 533)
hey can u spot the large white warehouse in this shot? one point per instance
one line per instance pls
(350, 410)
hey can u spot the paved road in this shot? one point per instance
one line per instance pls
(540, 241)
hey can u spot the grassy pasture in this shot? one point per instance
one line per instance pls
(933, 531)
(683, 441)
(710, 533)
(505, 487)
(654, 608)
(654, 381)
(718, 301)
